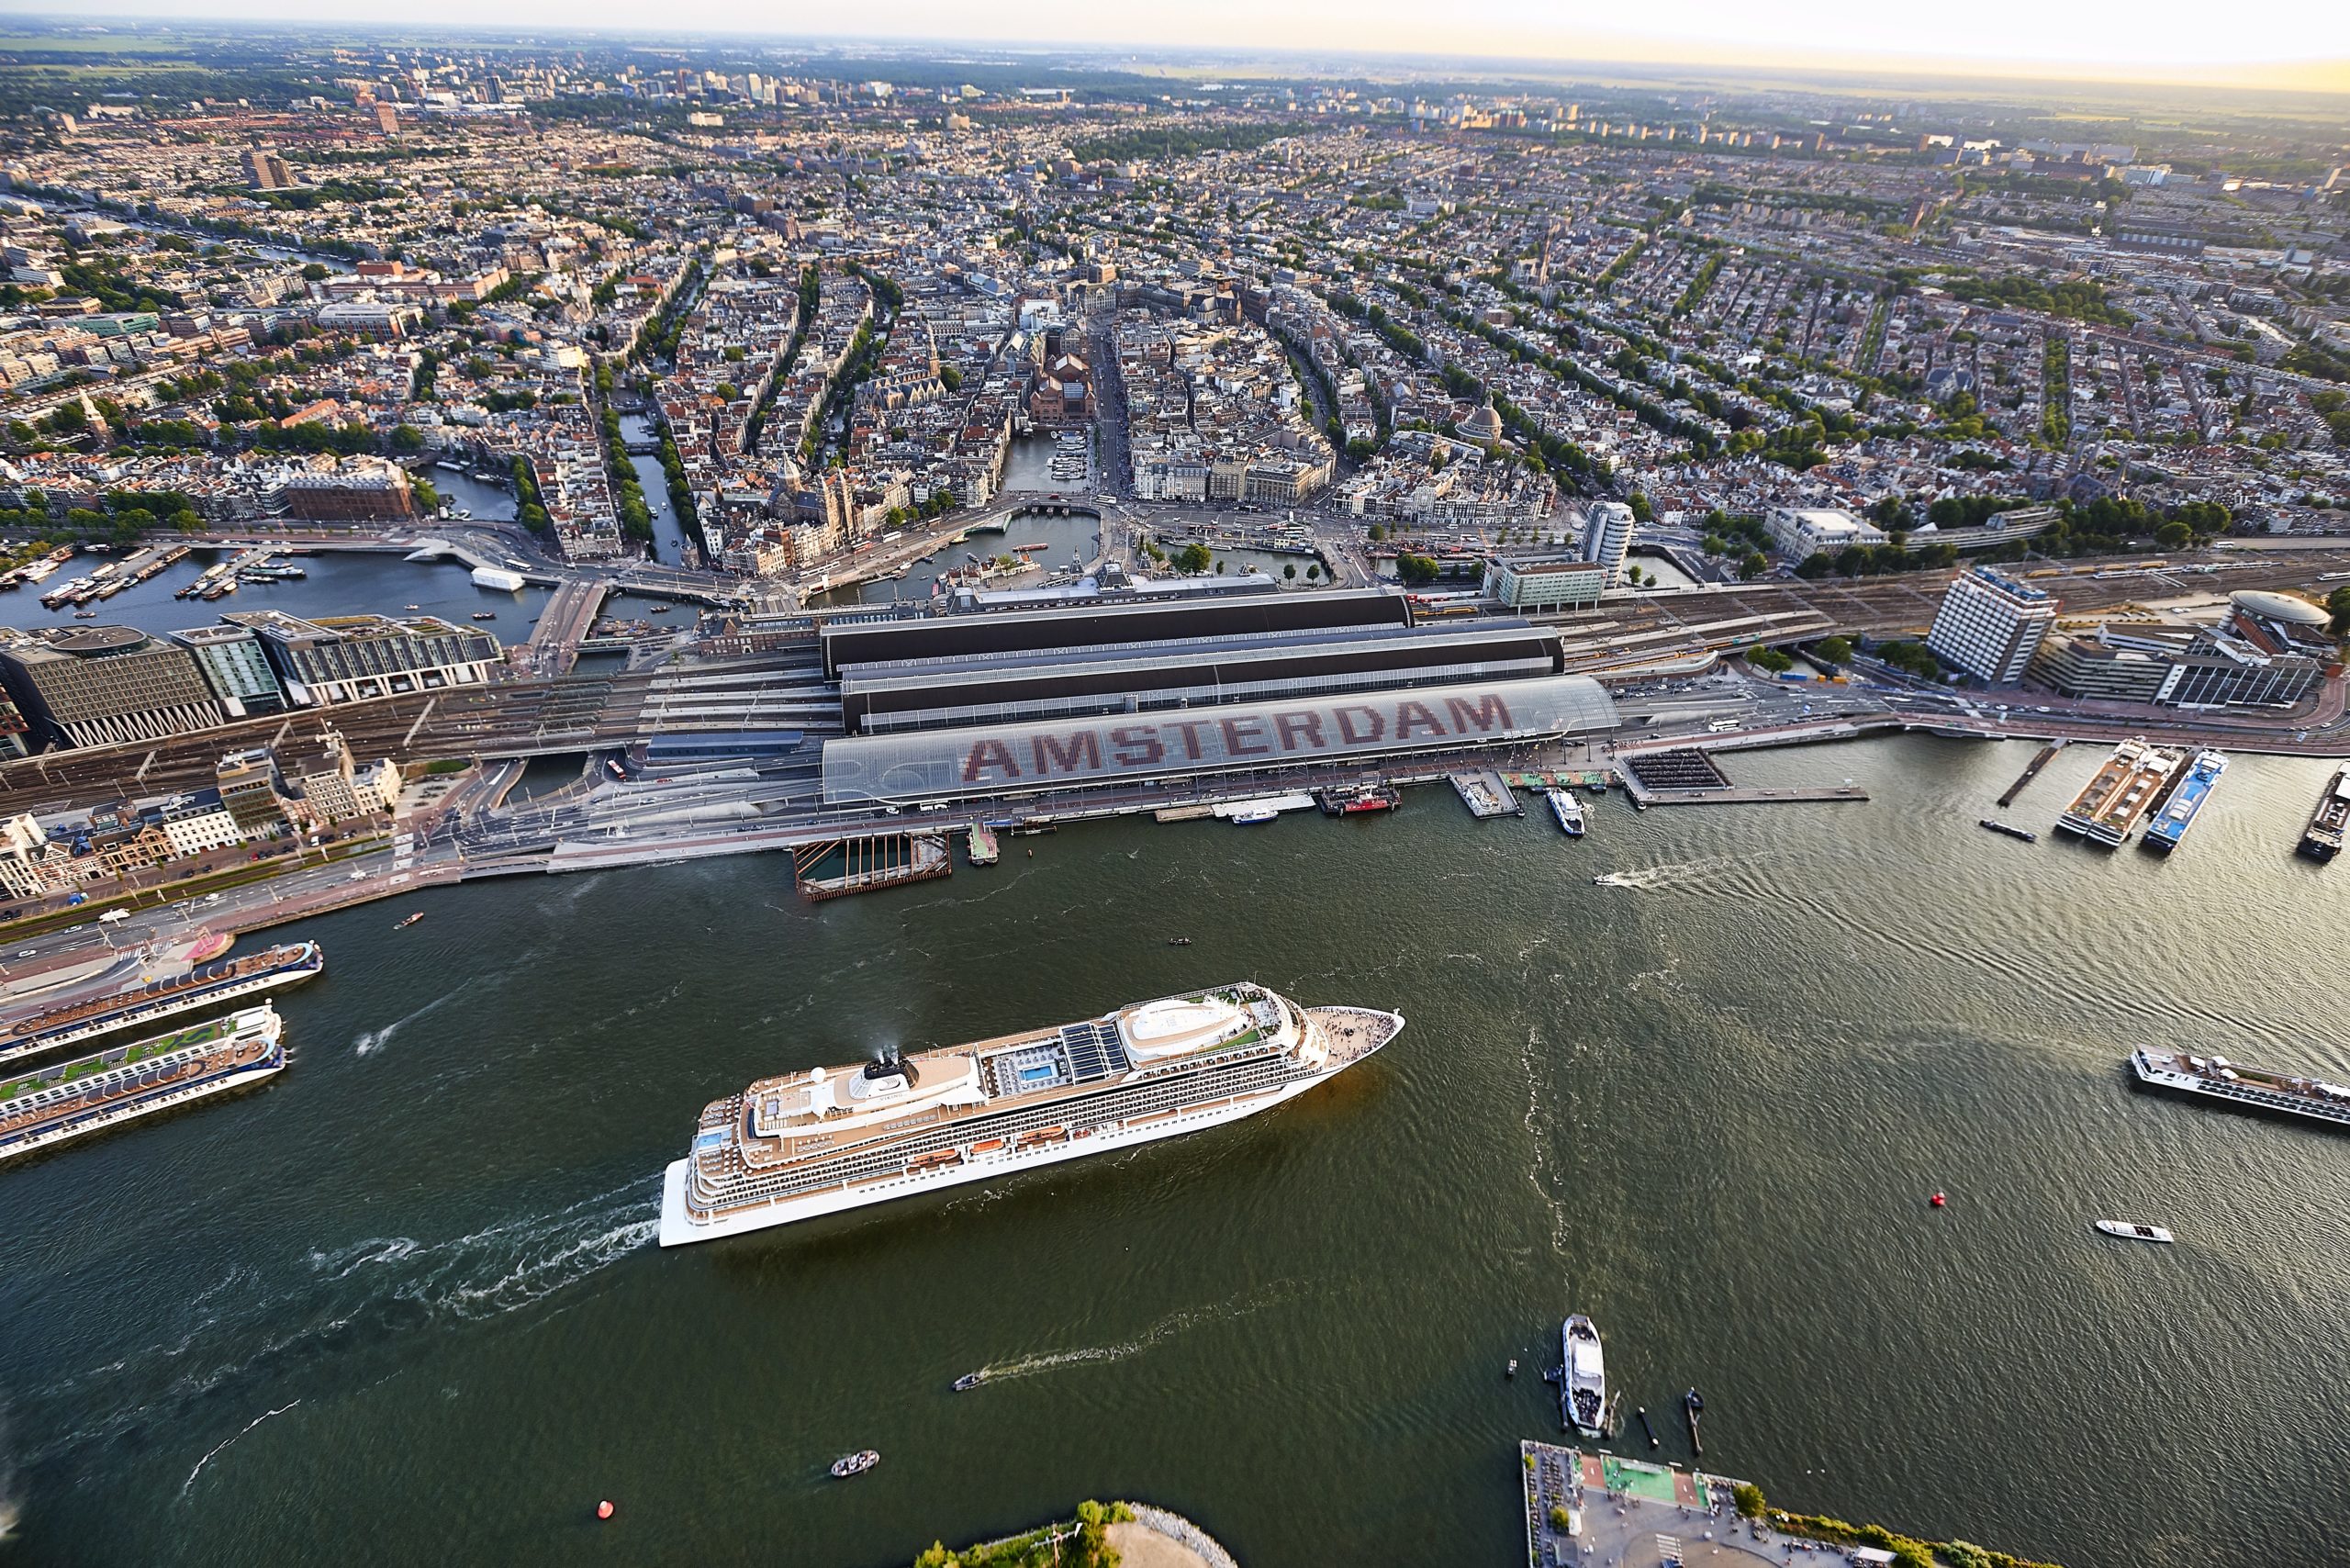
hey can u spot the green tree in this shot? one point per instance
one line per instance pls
(2173, 536)
(1771, 660)
(407, 437)
(1416, 569)
(1834, 651)
(316, 272)
(1289, 570)
(1748, 1495)
(1193, 559)
(2338, 604)
(1641, 510)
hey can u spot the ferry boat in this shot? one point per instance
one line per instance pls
(2251, 1088)
(207, 985)
(2186, 797)
(1567, 809)
(2322, 840)
(823, 1141)
(1582, 1378)
(120, 1085)
(2128, 1232)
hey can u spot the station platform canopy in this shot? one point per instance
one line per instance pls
(1141, 750)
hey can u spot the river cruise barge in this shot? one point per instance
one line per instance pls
(2124, 790)
(207, 985)
(2251, 1088)
(95, 1092)
(2185, 802)
(824, 1140)
(2321, 839)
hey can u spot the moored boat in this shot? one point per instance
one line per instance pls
(1582, 1378)
(1568, 809)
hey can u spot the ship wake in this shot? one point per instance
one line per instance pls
(1648, 879)
(1232, 1309)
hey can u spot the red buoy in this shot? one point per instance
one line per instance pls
(1939, 1200)
(604, 1509)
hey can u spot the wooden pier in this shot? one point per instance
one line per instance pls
(867, 863)
(2031, 771)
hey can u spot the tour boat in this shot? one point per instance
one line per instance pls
(855, 1463)
(2132, 1232)
(1582, 1378)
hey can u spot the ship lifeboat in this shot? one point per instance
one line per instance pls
(986, 1145)
(1042, 1135)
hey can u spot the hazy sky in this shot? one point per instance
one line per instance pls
(2306, 42)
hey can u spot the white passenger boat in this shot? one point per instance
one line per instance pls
(2128, 1231)
(1582, 1378)
(1567, 809)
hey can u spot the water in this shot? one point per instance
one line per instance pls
(407, 1293)
(339, 583)
(670, 544)
(1064, 538)
(1029, 466)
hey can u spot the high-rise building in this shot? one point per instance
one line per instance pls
(1990, 625)
(264, 170)
(1606, 535)
(387, 120)
(104, 685)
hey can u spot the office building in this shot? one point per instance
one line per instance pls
(1989, 625)
(1546, 581)
(106, 685)
(344, 658)
(252, 792)
(235, 667)
(2176, 665)
(1801, 533)
(1606, 535)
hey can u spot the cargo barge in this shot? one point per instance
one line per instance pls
(2249, 1088)
(204, 986)
(2123, 790)
(2322, 840)
(2184, 802)
(136, 1080)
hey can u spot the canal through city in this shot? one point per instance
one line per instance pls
(403, 1303)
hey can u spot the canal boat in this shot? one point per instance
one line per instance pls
(2128, 1231)
(1582, 1378)
(411, 920)
(1250, 816)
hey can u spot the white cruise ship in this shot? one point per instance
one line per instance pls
(821, 1142)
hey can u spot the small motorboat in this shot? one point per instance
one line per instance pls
(484, 615)
(1253, 816)
(411, 607)
(968, 1381)
(1171, 941)
(411, 920)
(662, 608)
(2128, 1231)
(855, 1463)
(1510, 1369)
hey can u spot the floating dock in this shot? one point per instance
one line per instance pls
(140, 1078)
(2124, 789)
(1485, 794)
(981, 849)
(2247, 1088)
(210, 985)
(2183, 802)
(1259, 804)
(2030, 771)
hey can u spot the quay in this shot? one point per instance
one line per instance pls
(1486, 795)
(204, 986)
(1600, 1509)
(2031, 771)
(1735, 796)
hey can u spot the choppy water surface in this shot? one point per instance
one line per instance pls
(407, 1296)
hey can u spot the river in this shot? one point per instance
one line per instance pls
(406, 1295)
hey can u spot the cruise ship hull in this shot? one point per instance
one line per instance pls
(680, 1226)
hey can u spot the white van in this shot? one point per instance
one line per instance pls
(113, 916)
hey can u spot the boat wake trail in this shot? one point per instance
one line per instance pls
(1538, 1132)
(352, 1301)
(248, 1427)
(1673, 873)
(1166, 1328)
(11, 1510)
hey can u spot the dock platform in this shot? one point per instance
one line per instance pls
(2031, 771)
(1734, 796)
(1682, 770)
(1486, 794)
(869, 862)
(1630, 1512)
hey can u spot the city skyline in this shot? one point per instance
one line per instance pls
(2279, 47)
